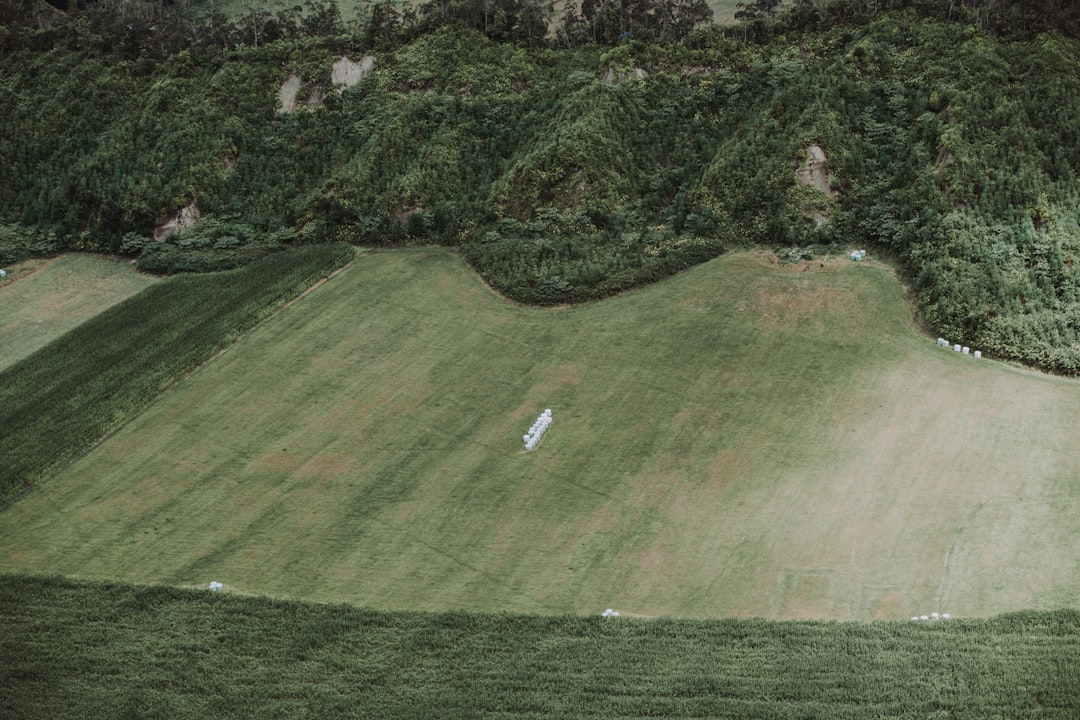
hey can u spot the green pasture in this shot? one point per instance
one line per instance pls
(41, 300)
(86, 651)
(743, 439)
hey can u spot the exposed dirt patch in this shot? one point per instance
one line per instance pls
(814, 171)
(287, 94)
(345, 73)
(188, 216)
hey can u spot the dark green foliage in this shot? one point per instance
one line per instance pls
(212, 244)
(566, 174)
(89, 650)
(18, 242)
(64, 397)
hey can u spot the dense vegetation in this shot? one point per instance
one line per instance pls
(634, 140)
(87, 650)
(65, 396)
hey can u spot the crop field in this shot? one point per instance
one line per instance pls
(42, 299)
(744, 439)
(84, 650)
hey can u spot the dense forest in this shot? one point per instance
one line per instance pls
(567, 155)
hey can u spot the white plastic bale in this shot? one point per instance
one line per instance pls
(915, 618)
(956, 348)
(934, 616)
(966, 350)
(945, 616)
(978, 354)
(924, 617)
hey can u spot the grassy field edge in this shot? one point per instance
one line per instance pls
(69, 393)
(73, 648)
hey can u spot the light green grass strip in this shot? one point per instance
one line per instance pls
(57, 296)
(87, 651)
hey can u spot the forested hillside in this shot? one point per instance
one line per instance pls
(567, 157)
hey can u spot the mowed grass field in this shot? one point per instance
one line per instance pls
(743, 439)
(41, 300)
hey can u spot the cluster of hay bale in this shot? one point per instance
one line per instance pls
(610, 613)
(962, 349)
(858, 255)
(215, 585)
(931, 617)
(537, 430)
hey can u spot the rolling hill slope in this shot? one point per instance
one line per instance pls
(742, 439)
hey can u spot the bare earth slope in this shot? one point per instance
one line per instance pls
(742, 439)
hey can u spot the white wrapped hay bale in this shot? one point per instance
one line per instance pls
(215, 585)
(966, 350)
(956, 348)
(536, 430)
(978, 354)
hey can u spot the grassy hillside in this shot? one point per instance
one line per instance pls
(741, 439)
(55, 296)
(88, 651)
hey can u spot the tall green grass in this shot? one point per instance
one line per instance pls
(71, 649)
(66, 395)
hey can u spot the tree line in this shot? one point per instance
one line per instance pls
(158, 28)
